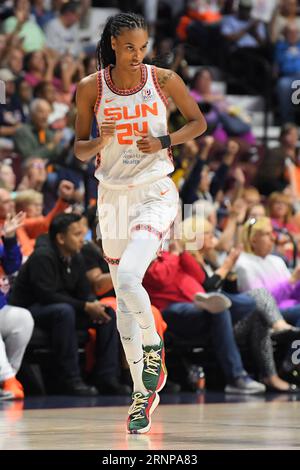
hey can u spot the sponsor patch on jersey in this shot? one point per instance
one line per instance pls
(147, 94)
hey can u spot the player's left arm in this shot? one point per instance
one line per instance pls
(174, 87)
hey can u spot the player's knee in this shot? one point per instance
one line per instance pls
(126, 327)
(127, 280)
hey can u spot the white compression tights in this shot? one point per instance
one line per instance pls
(134, 315)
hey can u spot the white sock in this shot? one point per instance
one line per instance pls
(150, 336)
(131, 339)
(136, 374)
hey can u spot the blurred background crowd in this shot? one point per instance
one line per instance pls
(241, 62)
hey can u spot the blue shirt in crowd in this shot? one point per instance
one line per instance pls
(10, 260)
(287, 57)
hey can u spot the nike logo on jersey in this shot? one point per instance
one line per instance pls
(162, 193)
(109, 100)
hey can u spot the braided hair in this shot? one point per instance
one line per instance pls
(114, 25)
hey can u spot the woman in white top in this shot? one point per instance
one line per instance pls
(254, 314)
(258, 267)
(137, 201)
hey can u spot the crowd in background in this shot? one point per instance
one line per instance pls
(247, 194)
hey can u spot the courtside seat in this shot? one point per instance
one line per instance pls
(40, 341)
(37, 363)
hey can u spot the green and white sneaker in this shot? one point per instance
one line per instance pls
(139, 419)
(154, 371)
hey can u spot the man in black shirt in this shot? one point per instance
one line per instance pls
(53, 285)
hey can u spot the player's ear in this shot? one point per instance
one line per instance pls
(113, 42)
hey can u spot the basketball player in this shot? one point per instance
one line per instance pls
(134, 159)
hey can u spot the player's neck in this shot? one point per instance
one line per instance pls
(124, 80)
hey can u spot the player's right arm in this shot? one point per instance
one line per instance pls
(86, 96)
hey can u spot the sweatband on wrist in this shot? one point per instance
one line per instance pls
(165, 141)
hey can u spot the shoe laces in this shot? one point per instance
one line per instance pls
(152, 361)
(136, 411)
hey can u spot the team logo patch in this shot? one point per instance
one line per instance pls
(147, 94)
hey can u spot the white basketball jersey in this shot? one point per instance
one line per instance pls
(142, 109)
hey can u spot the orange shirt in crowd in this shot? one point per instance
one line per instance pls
(33, 227)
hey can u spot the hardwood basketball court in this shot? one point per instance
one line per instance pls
(253, 424)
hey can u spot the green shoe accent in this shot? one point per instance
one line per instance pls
(139, 419)
(154, 371)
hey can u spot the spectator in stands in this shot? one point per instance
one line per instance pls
(252, 326)
(246, 50)
(241, 30)
(53, 285)
(33, 38)
(185, 161)
(198, 184)
(151, 11)
(34, 224)
(200, 25)
(15, 61)
(7, 206)
(62, 32)
(8, 44)
(251, 196)
(90, 65)
(3, 47)
(224, 121)
(68, 73)
(292, 163)
(285, 13)
(256, 211)
(85, 14)
(41, 14)
(257, 267)
(34, 174)
(7, 176)
(287, 60)
(10, 112)
(274, 173)
(59, 111)
(280, 211)
(172, 282)
(24, 96)
(39, 66)
(16, 323)
(166, 54)
(229, 228)
(35, 138)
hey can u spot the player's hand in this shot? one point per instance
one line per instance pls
(147, 143)
(107, 132)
